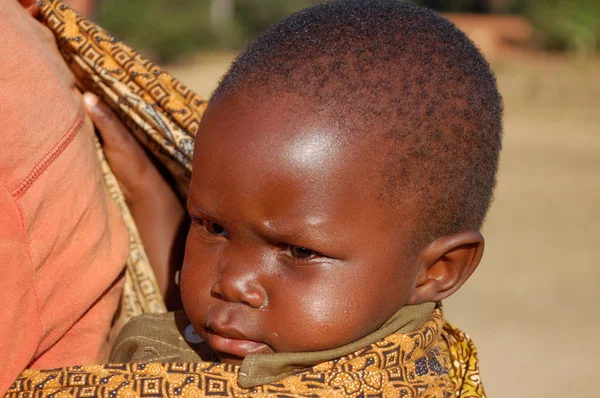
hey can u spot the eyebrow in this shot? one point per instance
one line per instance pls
(196, 210)
(274, 231)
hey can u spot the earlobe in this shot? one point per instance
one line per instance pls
(445, 264)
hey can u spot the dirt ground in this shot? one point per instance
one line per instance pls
(531, 305)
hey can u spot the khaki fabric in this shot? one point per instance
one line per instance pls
(158, 338)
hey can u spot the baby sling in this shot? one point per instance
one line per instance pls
(438, 360)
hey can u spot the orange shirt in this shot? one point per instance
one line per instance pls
(63, 244)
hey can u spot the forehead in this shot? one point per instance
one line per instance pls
(285, 139)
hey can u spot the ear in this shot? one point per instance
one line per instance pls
(445, 264)
(31, 6)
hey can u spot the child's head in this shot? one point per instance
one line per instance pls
(342, 170)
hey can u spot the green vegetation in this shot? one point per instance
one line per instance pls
(168, 29)
(572, 25)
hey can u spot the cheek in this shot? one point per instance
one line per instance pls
(323, 304)
(196, 278)
(339, 306)
(319, 314)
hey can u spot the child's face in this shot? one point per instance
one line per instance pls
(290, 248)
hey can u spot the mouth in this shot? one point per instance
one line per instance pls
(228, 343)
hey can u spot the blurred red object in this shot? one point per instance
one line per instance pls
(495, 35)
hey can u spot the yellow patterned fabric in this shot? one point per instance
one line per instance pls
(436, 361)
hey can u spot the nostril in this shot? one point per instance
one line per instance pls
(216, 292)
(256, 300)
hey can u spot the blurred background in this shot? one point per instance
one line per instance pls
(183, 27)
(531, 305)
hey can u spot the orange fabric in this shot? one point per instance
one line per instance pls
(63, 244)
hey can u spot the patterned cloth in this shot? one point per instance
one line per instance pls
(161, 112)
(438, 360)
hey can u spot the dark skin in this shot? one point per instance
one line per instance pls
(291, 248)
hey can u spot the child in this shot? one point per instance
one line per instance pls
(342, 171)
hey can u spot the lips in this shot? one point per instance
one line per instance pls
(227, 340)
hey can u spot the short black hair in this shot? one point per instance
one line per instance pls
(406, 70)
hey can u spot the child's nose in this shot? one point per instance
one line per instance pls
(239, 283)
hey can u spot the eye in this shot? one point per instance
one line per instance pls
(301, 252)
(214, 228)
